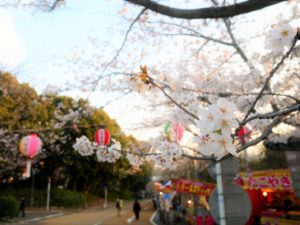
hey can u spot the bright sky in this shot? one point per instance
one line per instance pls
(45, 37)
(35, 42)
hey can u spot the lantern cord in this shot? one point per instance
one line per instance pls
(74, 127)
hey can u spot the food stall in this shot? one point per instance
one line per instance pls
(189, 201)
(272, 196)
(196, 195)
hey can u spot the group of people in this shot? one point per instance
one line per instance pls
(136, 208)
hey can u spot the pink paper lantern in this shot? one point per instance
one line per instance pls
(178, 130)
(30, 145)
(102, 137)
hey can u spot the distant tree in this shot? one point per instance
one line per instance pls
(58, 120)
(21, 111)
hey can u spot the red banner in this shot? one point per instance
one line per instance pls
(199, 188)
(276, 179)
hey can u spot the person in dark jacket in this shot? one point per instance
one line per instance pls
(136, 209)
(22, 206)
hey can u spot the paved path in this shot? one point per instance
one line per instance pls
(90, 216)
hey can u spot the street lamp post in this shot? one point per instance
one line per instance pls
(48, 193)
(105, 197)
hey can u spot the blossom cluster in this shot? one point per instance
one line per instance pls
(83, 146)
(216, 125)
(134, 160)
(104, 154)
(280, 37)
(166, 154)
(86, 148)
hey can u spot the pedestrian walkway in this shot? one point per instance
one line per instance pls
(129, 218)
(34, 215)
(105, 216)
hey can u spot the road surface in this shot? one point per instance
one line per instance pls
(97, 216)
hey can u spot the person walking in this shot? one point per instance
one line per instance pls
(22, 206)
(154, 203)
(136, 209)
(119, 206)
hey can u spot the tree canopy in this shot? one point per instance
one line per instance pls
(59, 120)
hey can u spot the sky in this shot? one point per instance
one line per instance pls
(47, 36)
(35, 43)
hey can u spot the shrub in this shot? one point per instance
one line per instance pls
(8, 206)
(68, 199)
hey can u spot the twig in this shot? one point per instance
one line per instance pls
(168, 96)
(269, 78)
(195, 33)
(96, 82)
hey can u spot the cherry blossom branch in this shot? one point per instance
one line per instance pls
(287, 110)
(96, 82)
(87, 83)
(203, 13)
(266, 132)
(194, 33)
(228, 94)
(49, 7)
(198, 157)
(260, 94)
(169, 97)
(236, 45)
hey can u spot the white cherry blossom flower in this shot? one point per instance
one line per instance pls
(205, 148)
(223, 144)
(223, 108)
(284, 33)
(226, 125)
(206, 122)
(281, 35)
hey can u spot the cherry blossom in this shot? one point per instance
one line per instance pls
(134, 160)
(281, 35)
(222, 144)
(83, 146)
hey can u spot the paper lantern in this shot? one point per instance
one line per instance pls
(178, 130)
(167, 128)
(102, 137)
(30, 145)
(243, 134)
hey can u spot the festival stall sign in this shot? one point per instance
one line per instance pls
(268, 179)
(193, 187)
